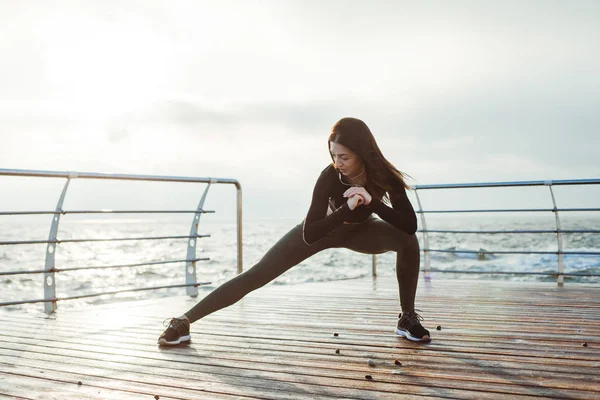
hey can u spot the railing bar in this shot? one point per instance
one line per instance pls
(16, 303)
(505, 210)
(486, 211)
(85, 296)
(27, 242)
(5, 213)
(29, 212)
(512, 273)
(491, 232)
(508, 184)
(587, 253)
(138, 212)
(159, 178)
(36, 271)
(128, 265)
(496, 272)
(514, 231)
(126, 177)
(106, 212)
(578, 209)
(99, 240)
(41, 271)
(134, 238)
(12, 303)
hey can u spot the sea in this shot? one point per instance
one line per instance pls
(258, 236)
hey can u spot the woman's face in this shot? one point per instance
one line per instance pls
(345, 160)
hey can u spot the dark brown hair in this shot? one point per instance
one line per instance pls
(356, 135)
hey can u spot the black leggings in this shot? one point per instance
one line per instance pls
(373, 236)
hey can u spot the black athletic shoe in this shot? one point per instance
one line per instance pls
(177, 332)
(409, 326)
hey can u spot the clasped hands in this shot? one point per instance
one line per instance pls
(357, 195)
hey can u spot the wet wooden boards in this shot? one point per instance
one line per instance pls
(498, 339)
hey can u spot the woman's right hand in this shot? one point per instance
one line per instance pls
(355, 201)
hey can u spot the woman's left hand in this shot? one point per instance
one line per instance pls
(361, 191)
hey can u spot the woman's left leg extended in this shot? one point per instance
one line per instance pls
(289, 251)
(376, 236)
(286, 253)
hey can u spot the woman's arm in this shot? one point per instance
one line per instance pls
(401, 215)
(317, 223)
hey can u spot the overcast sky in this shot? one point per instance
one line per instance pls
(454, 91)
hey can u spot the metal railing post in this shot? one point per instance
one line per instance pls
(190, 266)
(240, 262)
(374, 265)
(50, 276)
(560, 278)
(426, 254)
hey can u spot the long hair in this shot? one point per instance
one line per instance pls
(356, 135)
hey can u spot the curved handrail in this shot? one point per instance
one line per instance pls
(557, 182)
(50, 298)
(555, 210)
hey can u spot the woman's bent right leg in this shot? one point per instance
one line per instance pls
(289, 251)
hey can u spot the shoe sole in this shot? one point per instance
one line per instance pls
(164, 342)
(411, 337)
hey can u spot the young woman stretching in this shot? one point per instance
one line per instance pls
(360, 182)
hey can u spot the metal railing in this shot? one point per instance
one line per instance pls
(560, 253)
(191, 284)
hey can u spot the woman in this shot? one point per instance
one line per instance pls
(360, 182)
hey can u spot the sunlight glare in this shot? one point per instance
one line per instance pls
(99, 72)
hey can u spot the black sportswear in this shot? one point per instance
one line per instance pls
(318, 224)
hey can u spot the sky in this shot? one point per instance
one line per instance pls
(461, 91)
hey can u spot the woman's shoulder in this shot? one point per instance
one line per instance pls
(329, 170)
(328, 175)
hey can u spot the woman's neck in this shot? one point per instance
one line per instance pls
(358, 179)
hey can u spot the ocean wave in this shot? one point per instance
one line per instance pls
(82, 286)
(149, 274)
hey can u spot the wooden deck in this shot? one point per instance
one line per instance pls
(498, 340)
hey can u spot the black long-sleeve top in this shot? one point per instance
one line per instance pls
(329, 186)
